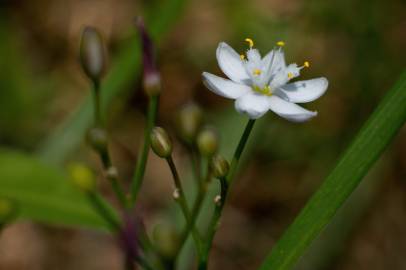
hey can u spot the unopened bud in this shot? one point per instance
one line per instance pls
(92, 53)
(152, 80)
(219, 166)
(97, 138)
(188, 121)
(82, 177)
(166, 239)
(207, 142)
(161, 144)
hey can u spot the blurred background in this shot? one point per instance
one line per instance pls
(358, 45)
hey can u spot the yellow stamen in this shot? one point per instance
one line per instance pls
(290, 75)
(250, 42)
(257, 72)
(280, 43)
(267, 90)
(242, 56)
(306, 64)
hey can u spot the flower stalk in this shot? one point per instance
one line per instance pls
(142, 160)
(180, 197)
(225, 182)
(98, 139)
(152, 87)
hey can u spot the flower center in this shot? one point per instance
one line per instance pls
(266, 90)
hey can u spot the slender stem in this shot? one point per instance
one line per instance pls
(104, 153)
(239, 150)
(224, 183)
(115, 185)
(142, 160)
(214, 223)
(184, 207)
(195, 162)
(195, 211)
(103, 210)
(97, 102)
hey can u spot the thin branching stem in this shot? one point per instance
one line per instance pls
(224, 184)
(104, 153)
(103, 210)
(181, 199)
(142, 160)
(195, 210)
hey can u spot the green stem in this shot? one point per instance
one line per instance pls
(239, 150)
(142, 160)
(225, 183)
(103, 210)
(195, 162)
(195, 212)
(184, 207)
(104, 154)
(214, 223)
(96, 100)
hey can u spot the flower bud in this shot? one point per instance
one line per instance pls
(151, 77)
(219, 166)
(188, 121)
(82, 177)
(166, 239)
(207, 142)
(161, 144)
(92, 53)
(97, 138)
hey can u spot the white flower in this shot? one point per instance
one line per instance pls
(260, 84)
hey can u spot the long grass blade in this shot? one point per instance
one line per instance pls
(366, 148)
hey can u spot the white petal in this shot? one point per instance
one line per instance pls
(289, 111)
(224, 87)
(278, 62)
(252, 104)
(231, 63)
(305, 91)
(253, 55)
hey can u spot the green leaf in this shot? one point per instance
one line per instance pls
(43, 193)
(366, 148)
(125, 68)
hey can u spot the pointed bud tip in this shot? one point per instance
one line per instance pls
(161, 143)
(151, 77)
(92, 53)
(219, 166)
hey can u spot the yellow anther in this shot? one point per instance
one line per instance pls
(250, 42)
(280, 43)
(306, 64)
(242, 56)
(257, 72)
(290, 75)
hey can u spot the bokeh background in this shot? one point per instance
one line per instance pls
(358, 45)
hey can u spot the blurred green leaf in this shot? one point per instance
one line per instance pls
(43, 193)
(366, 148)
(125, 69)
